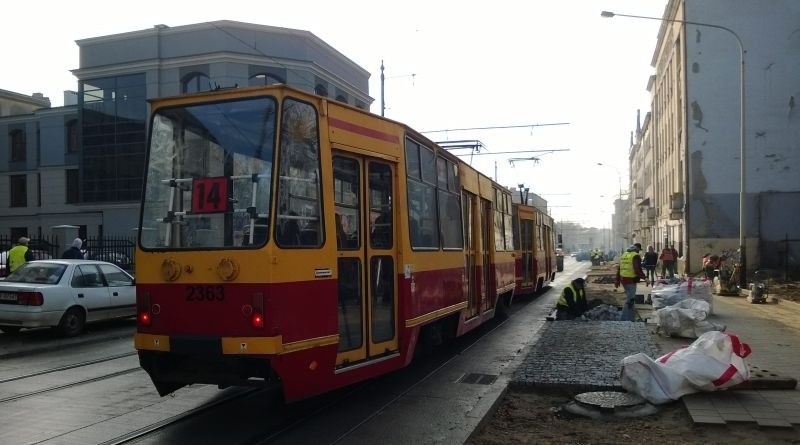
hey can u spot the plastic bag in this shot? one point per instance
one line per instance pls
(713, 362)
(686, 319)
(668, 294)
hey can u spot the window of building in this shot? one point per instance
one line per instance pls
(72, 186)
(195, 83)
(113, 115)
(72, 136)
(265, 79)
(321, 89)
(18, 143)
(18, 190)
(18, 232)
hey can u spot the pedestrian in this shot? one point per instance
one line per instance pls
(629, 273)
(711, 264)
(649, 264)
(74, 252)
(572, 303)
(19, 254)
(668, 258)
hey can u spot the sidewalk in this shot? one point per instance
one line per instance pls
(773, 332)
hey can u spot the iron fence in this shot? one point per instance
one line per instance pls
(119, 250)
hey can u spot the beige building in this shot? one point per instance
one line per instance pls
(685, 157)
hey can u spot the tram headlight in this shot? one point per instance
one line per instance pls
(227, 269)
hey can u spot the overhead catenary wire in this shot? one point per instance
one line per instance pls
(498, 127)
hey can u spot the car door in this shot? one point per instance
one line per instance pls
(89, 290)
(122, 292)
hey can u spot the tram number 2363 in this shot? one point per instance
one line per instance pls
(205, 293)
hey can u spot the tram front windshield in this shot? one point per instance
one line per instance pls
(209, 175)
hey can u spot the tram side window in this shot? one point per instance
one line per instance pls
(422, 209)
(449, 204)
(503, 227)
(299, 214)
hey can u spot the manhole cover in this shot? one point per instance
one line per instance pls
(609, 399)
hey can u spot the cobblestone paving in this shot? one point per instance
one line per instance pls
(581, 355)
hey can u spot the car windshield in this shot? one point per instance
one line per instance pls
(37, 273)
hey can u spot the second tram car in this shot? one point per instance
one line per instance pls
(290, 240)
(535, 249)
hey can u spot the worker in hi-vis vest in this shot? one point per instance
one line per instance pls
(629, 273)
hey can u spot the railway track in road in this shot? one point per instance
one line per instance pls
(66, 367)
(24, 378)
(237, 394)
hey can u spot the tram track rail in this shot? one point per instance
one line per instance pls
(144, 432)
(70, 385)
(66, 367)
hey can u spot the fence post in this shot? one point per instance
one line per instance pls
(64, 234)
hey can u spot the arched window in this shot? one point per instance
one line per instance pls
(264, 79)
(321, 90)
(72, 136)
(195, 83)
(17, 138)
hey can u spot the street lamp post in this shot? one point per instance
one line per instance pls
(742, 161)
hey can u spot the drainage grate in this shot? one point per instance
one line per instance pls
(477, 379)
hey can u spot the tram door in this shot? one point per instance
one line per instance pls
(526, 238)
(366, 246)
(471, 252)
(486, 228)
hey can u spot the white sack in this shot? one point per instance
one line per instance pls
(687, 319)
(714, 361)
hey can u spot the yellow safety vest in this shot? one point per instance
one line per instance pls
(16, 257)
(626, 269)
(576, 296)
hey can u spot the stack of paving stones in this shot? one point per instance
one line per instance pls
(581, 355)
(767, 408)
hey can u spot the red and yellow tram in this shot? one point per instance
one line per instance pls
(535, 253)
(286, 239)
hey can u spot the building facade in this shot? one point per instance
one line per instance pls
(82, 164)
(685, 159)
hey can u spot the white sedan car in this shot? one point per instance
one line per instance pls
(65, 294)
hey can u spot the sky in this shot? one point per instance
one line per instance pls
(449, 65)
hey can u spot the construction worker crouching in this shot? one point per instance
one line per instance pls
(628, 274)
(572, 302)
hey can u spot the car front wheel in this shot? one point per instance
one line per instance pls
(72, 322)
